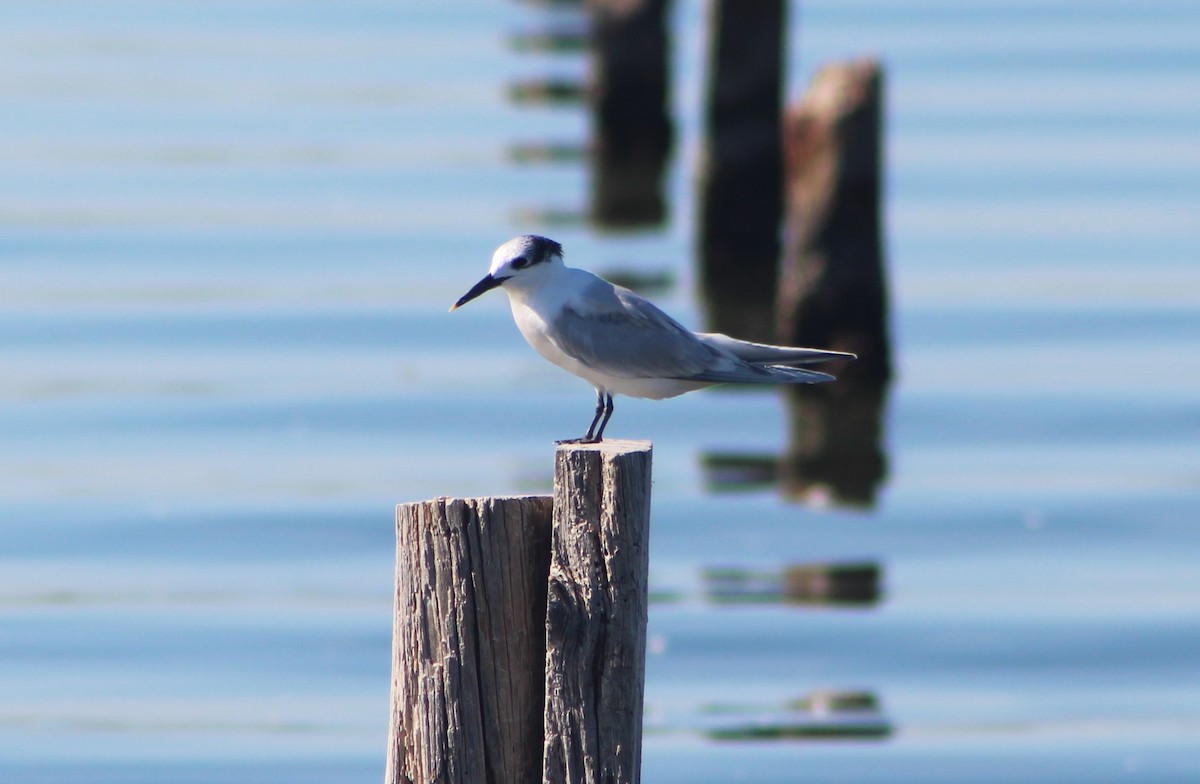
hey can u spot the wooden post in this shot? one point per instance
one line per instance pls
(741, 171)
(596, 614)
(468, 647)
(517, 651)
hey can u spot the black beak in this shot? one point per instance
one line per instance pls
(487, 284)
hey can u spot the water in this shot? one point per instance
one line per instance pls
(228, 236)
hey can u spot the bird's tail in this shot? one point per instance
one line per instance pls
(763, 374)
(766, 355)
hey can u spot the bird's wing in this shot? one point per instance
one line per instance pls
(764, 374)
(764, 354)
(615, 331)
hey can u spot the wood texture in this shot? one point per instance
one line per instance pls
(469, 641)
(596, 614)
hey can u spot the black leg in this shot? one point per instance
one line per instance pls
(590, 437)
(602, 408)
(608, 409)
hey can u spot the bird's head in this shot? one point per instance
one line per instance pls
(522, 257)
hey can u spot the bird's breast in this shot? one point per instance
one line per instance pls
(536, 331)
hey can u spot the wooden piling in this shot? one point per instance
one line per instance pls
(833, 283)
(596, 614)
(468, 646)
(631, 124)
(517, 650)
(833, 291)
(741, 171)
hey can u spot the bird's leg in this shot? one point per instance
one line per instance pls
(608, 411)
(592, 437)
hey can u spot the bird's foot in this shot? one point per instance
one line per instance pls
(583, 440)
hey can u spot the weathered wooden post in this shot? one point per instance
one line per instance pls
(596, 614)
(490, 681)
(468, 644)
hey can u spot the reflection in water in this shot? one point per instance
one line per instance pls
(732, 471)
(567, 36)
(546, 152)
(631, 129)
(835, 445)
(627, 93)
(835, 454)
(549, 217)
(823, 714)
(810, 584)
(549, 90)
(645, 283)
(740, 178)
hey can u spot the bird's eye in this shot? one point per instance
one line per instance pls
(520, 262)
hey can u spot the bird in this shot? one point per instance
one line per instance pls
(620, 342)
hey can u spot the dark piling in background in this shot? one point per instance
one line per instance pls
(741, 172)
(631, 126)
(833, 289)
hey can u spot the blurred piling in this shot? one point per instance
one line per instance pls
(821, 715)
(631, 126)
(819, 584)
(741, 171)
(520, 628)
(627, 95)
(833, 288)
(832, 291)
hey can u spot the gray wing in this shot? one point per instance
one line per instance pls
(617, 332)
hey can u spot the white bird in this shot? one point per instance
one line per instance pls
(620, 342)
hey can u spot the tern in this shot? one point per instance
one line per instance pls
(621, 343)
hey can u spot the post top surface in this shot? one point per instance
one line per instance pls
(609, 446)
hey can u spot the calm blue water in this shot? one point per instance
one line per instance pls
(229, 233)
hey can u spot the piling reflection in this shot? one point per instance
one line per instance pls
(835, 445)
(830, 713)
(563, 37)
(547, 152)
(740, 175)
(627, 96)
(835, 453)
(835, 584)
(548, 90)
(631, 128)
(816, 716)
